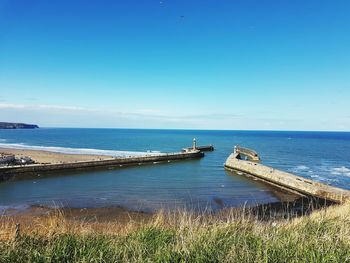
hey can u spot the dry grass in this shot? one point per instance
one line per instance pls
(323, 236)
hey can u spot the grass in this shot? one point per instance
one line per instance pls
(323, 236)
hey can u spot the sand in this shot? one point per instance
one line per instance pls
(46, 157)
(100, 219)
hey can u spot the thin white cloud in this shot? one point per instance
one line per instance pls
(41, 107)
(144, 113)
(11, 106)
(75, 116)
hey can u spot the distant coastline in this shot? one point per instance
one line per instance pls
(12, 125)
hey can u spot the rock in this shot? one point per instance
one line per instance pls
(11, 125)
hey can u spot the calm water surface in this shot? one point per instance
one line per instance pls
(195, 184)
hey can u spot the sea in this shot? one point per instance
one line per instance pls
(200, 184)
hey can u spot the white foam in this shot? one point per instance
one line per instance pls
(341, 171)
(302, 167)
(3, 208)
(78, 150)
(315, 176)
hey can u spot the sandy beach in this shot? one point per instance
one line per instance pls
(46, 157)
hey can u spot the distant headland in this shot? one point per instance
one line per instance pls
(11, 125)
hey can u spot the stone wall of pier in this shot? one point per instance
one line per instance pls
(7, 173)
(286, 180)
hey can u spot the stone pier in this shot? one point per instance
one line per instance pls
(18, 171)
(248, 161)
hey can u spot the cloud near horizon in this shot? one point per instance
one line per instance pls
(76, 116)
(44, 114)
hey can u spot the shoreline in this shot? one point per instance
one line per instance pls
(108, 214)
(97, 215)
(48, 157)
(71, 162)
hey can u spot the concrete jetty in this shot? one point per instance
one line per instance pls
(248, 161)
(18, 171)
(206, 148)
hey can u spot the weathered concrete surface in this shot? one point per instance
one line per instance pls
(207, 148)
(287, 181)
(252, 155)
(8, 172)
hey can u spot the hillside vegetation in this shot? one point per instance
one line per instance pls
(323, 236)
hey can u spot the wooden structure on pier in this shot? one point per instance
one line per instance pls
(248, 161)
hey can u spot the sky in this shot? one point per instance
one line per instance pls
(182, 64)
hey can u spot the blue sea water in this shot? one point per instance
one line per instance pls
(194, 184)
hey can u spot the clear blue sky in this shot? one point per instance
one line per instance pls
(264, 64)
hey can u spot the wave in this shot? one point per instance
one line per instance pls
(86, 151)
(320, 174)
(302, 167)
(4, 208)
(340, 171)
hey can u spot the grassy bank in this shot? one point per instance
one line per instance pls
(324, 236)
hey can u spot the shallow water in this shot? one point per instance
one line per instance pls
(196, 184)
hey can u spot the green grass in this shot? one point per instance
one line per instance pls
(322, 237)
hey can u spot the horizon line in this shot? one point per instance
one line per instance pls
(192, 129)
